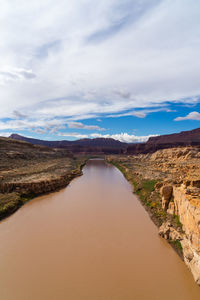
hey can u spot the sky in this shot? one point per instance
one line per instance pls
(127, 69)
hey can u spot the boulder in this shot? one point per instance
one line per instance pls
(166, 193)
(164, 230)
(167, 231)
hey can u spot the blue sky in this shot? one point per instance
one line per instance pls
(120, 68)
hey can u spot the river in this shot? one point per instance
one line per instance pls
(92, 240)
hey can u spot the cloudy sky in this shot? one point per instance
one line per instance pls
(84, 68)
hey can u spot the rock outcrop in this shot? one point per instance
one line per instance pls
(28, 170)
(189, 137)
(187, 207)
(174, 201)
(166, 193)
(182, 139)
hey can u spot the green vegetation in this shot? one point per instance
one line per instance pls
(149, 185)
(27, 197)
(177, 245)
(145, 189)
(151, 199)
(161, 214)
(122, 169)
(177, 220)
(9, 203)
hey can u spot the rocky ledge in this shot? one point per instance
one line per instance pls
(28, 170)
(168, 184)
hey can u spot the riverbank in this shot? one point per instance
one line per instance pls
(15, 194)
(27, 171)
(167, 184)
(92, 240)
(151, 201)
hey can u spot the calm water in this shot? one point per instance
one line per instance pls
(91, 241)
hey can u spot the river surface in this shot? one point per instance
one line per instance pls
(92, 240)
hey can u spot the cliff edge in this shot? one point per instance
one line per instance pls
(168, 184)
(28, 170)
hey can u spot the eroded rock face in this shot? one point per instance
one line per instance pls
(188, 210)
(177, 172)
(28, 170)
(186, 205)
(171, 208)
(167, 231)
(166, 193)
(190, 255)
(38, 186)
(192, 259)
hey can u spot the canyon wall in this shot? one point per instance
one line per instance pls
(186, 205)
(28, 170)
(168, 184)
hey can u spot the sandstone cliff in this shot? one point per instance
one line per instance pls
(168, 183)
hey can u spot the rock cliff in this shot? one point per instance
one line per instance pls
(168, 183)
(28, 170)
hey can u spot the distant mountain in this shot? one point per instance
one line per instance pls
(54, 144)
(100, 142)
(190, 137)
(184, 138)
(100, 145)
(111, 146)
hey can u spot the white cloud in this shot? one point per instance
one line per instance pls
(80, 125)
(79, 58)
(39, 130)
(73, 134)
(5, 134)
(191, 116)
(39, 126)
(141, 113)
(9, 74)
(123, 137)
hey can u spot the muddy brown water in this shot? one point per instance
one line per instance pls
(90, 241)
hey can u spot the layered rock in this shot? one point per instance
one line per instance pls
(175, 200)
(187, 207)
(28, 170)
(38, 186)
